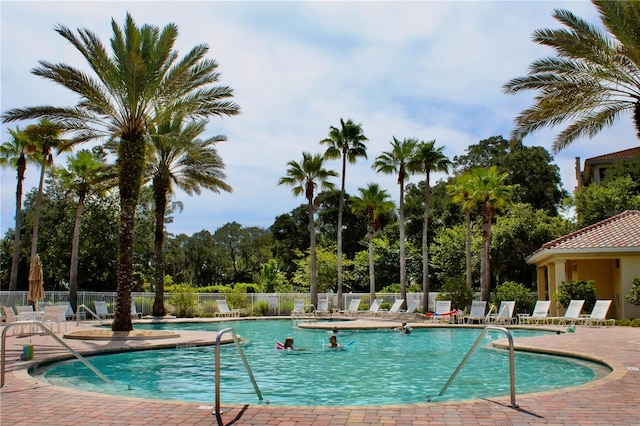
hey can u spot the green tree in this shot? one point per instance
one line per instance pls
(326, 269)
(598, 202)
(427, 158)
(493, 195)
(593, 80)
(290, 234)
(142, 75)
(346, 142)
(15, 154)
(445, 253)
(395, 161)
(305, 177)
(374, 202)
(87, 173)
(180, 159)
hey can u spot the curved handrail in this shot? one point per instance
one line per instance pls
(512, 372)
(50, 333)
(217, 369)
(93, 314)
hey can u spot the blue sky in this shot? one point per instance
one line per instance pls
(422, 69)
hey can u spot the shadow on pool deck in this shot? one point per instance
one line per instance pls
(612, 400)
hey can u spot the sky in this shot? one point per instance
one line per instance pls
(419, 69)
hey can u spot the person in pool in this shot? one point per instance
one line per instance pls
(333, 342)
(288, 343)
(405, 328)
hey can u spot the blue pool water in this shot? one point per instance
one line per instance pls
(382, 367)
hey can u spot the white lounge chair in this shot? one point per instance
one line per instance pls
(598, 315)
(352, 308)
(505, 313)
(374, 308)
(413, 306)
(224, 311)
(443, 311)
(477, 312)
(298, 307)
(571, 315)
(395, 308)
(323, 307)
(539, 315)
(101, 309)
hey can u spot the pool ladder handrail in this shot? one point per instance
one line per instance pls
(512, 372)
(50, 333)
(93, 314)
(217, 369)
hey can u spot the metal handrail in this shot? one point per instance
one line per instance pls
(512, 371)
(93, 314)
(217, 368)
(56, 338)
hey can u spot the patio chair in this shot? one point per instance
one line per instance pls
(323, 307)
(395, 308)
(101, 309)
(505, 313)
(598, 315)
(298, 307)
(224, 311)
(10, 316)
(443, 311)
(374, 309)
(539, 315)
(571, 315)
(56, 315)
(477, 312)
(353, 307)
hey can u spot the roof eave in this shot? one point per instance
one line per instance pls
(543, 254)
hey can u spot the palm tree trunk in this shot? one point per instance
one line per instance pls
(372, 271)
(403, 254)
(36, 214)
(75, 248)
(15, 260)
(467, 216)
(425, 247)
(160, 195)
(340, 209)
(485, 281)
(312, 247)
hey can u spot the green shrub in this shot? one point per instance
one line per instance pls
(261, 308)
(635, 322)
(385, 306)
(623, 322)
(634, 295)
(184, 300)
(576, 290)
(456, 290)
(509, 290)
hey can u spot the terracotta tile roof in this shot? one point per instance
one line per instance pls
(627, 154)
(622, 230)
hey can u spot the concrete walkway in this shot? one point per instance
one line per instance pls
(613, 400)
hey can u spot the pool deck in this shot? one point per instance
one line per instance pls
(612, 400)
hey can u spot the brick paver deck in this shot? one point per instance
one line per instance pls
(613, 400)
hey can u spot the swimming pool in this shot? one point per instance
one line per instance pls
(382, 367)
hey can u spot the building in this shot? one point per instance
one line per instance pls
(595, 168)
(607, 252)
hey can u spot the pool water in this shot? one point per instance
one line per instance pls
(382, 367)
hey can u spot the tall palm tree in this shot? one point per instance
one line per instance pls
(141, 75)
(427, 159)
(14, 154)
(461, 191)
(43, 138)
(86, 174)
(593, 80)
(395, 161)
(493, 195)
(305, 177)
(346, 142)
(374, 202)
(181, 160)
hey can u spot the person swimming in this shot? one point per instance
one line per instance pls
(288, 343)
(405, 328)
(333, 342)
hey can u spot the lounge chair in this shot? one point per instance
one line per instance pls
(55, 314)
(598, 315)
(411, 309)
(443, 311)
(298, 307)
(10, 316)
(477, 312)
(353, 307)
(134, 312)
(323, 307)
(224, 311)
(505, 313)
(539, 315)
(101, 309)
(395, 308)
(571, 315)
(374, 308)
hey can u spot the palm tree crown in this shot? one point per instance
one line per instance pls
(594, 79)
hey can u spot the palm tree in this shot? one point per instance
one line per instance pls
(461, 191)
(594, 79)
(427, 158)
(346, 142)
(374, 203)
(493, 195)
(395, 161)
(14, 154)
(43, 138)
(87, 174)
(190, 164)
(305, 177)
(143, 74)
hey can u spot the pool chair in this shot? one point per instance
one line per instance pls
(224, 311)
(598, 315)
(412, 308)
(571, 315)
(374, 309)
(134, 311)
(298, 307)
(55, 315)
(443, 312)
(10, 316)
(539, 315)
(323, 307)
(101, 309)
(477, 312)
(395, 308)
(505, 313)
(353, 307)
